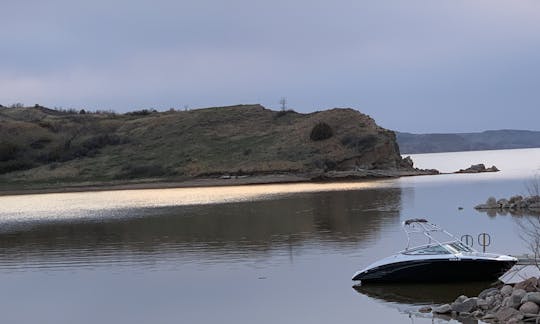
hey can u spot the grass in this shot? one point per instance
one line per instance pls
(44, 146)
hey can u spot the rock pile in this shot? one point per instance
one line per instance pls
(515, 203)
(477, 168)
(508, 304)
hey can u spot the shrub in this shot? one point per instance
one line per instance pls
(321, 131)
(8, 151)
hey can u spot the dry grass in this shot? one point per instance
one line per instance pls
(65, 147)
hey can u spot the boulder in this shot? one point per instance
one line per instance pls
(461, 298)
(491, 203)
(528, 285)
(507, 314)
(489, 317)
(529, 308)
(503, 203)
(477, 313)
(443, 309)
(482, 304)
(506, 290)
(515, 199)
(534, 206)
(466, 306)
(514, 300)
(532, 297)
(488, 292)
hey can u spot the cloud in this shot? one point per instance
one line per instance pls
(414, 65)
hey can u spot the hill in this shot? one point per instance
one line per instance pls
(45, 147)
(488, 140)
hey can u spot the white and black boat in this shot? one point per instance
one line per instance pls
(442, 259)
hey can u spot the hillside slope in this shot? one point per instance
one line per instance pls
(488, 140)
(40, 145)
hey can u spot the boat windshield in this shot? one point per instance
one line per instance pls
(458, 247)
(428, 250)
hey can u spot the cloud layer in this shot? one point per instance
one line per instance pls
(415, 65)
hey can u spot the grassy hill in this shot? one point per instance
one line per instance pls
(44, 146)
(488, 140)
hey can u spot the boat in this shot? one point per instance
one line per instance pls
(443, 258)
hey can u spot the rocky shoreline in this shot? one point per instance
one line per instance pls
(216, 181)
(514, 204)
(507, 304)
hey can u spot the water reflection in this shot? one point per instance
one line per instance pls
(422, 294)
(238, 231)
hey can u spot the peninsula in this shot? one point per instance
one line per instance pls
(42, 148)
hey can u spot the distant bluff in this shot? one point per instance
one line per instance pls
(44, 145)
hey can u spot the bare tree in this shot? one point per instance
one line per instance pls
(530, 224)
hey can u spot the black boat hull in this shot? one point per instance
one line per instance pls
(437, 270)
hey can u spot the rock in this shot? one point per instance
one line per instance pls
(529, 308)
(466, 305)
(532, 297)
(407, 162)
(477, 168)
(443, 309)
(518, 292)
(491, 203)
(506, 314)
(488, 317)
(515, 199)
(488, 292)
(481, 303)
(477, 313)
(490, 300)
(506, 290)
(503, 203)
(464, 314)
(528, 285)
(425, 309)
(461, 298)
(534, 206)
(514, 300)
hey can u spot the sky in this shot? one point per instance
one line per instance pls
(413, 65)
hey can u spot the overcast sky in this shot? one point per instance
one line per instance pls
(413, 65)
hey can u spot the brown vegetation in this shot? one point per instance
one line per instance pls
(41, 145)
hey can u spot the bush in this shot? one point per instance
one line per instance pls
(321, 131)
(8, 151)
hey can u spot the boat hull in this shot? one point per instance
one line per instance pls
(436, 270)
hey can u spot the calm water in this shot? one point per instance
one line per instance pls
(257, 254)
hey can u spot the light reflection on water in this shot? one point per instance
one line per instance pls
(170, 255)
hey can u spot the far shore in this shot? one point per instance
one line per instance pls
(281, 178)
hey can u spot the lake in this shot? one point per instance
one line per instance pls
(280, 253)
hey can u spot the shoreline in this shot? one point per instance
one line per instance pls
(228, 181)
